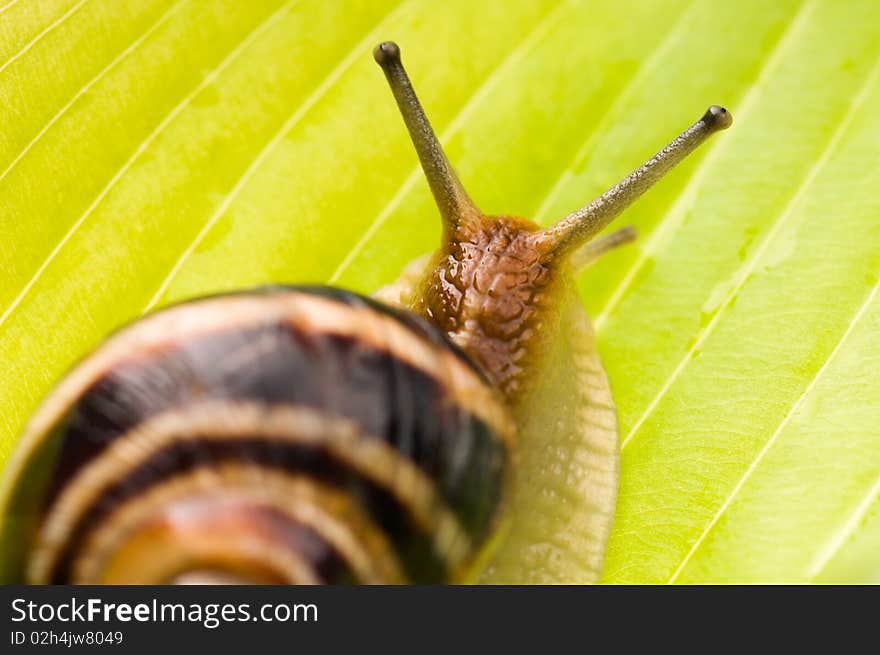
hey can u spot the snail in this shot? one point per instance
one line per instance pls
(308, 434)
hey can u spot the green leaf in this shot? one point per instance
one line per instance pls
(156, 150)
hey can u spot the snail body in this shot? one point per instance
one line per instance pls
(298, 434)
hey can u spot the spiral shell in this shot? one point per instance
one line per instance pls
(289, 434)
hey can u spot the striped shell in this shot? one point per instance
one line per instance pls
(291, 434)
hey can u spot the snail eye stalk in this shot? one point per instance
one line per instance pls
(449, 194)
(580, 226)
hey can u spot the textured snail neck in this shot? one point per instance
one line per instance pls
(493, 289)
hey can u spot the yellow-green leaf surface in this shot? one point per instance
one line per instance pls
(152, 150)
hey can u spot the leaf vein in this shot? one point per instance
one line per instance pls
(169, 118)
(836, 541)
(741, 275)
(7, 6)
(258, 160)
(791, 412)
(646, 67)
(30, 44)
(672, 219)
(88, 85)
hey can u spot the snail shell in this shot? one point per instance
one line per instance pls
(287, 435)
